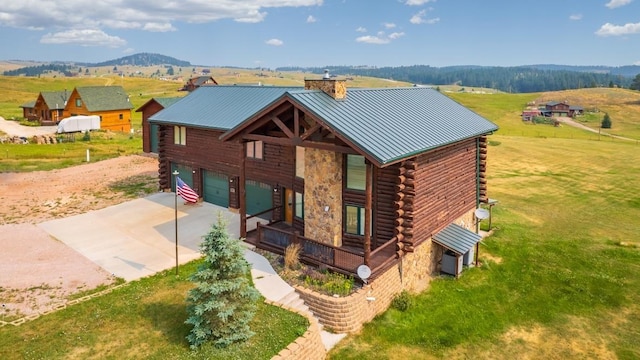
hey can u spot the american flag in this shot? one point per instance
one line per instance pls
(185, 191)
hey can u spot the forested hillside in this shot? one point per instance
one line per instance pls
(508, 79)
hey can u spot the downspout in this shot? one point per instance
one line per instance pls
(477, 179)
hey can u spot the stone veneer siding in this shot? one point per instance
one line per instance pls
(414, 273)
(323, 188)
(309, 346)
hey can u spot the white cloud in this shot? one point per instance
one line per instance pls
(617, 3)
(128, 51)
(84, 37)
(637, 63)
(618, 30)
(361, 29)
(389, 25)
(418, 2)
(311, 19)
(575, 17)
(419, 18)
(63, 18)
(274, 42)
(368, 39)
(379, 39)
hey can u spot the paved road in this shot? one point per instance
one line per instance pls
(13, 128)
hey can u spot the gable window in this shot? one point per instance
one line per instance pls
(254, 149)
(300, 162)
(78, 102)
(354, 220)
(180, 135)
(299, 205)
(356, 171)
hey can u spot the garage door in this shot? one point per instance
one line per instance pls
(216, 188)
(185, 174)
(259, 197)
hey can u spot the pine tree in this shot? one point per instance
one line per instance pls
(606, 122)
(224, 301)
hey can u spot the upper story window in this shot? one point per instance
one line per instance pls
(300, 162)
(78, 102)
(255, 150)
(180, 135)
(356, 171)
(121, 117)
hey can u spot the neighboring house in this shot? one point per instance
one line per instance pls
(198, 81)
(50, 105)
(111, 103)
(529, 114)
(576, 111)
(29, 111)
(554, 108)
(364, 176)
(150, 131)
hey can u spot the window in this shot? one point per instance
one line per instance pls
(78, 102)
(180, 135)
(355, 220)
(121, 117)
(254, 149)
(356, 171)
(300, 162)
(299, 205)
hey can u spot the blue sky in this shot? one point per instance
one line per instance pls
(274, 33)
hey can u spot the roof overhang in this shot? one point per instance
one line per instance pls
(456, 238)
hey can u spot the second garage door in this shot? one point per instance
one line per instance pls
(216, 188)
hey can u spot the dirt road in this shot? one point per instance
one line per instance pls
(12, 128)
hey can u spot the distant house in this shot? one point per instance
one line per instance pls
(111, 103)
(150, 131)
(49, 106)
(198, 81)
(575, 111)
(28, 110)
(555, 109)
(529, 114)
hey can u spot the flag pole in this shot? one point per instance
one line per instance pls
(175, 208)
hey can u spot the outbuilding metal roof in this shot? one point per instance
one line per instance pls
(456, 238)
(394, 123)
(219, 107)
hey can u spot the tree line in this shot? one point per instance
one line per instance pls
(508, 79)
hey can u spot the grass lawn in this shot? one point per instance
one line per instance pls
(144, 319)
(560, 276)
(101, 145)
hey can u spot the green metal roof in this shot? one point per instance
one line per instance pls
(168, 101)
(456, 238)
(29, 105)
(103, 98)
(219, 107)
(55, 100)
(390, 124)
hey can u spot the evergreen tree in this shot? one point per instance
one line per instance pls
(223, 302)
(635, 84)
(606, 122)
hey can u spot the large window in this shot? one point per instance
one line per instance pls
(356, 172)
(299, 205)
(355, 220)
(180, 135)
(300, 162)
(254, 149)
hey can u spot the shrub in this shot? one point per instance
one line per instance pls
(292, 257)
(606, 122)
(402, 301)
(328, 282)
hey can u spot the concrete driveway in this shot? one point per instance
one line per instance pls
(137, 238)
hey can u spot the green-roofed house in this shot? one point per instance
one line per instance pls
(29, 111)
(49, 106)
(111, 103)
(364, 176)
(150, 131)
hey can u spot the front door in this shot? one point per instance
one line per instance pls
(288, 206)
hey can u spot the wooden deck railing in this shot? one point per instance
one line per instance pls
(312, 252)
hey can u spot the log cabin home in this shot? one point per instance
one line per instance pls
(49, 107)
(358, 176)
(29, 111)
(196, 82)
(111, 103)
(150, 131)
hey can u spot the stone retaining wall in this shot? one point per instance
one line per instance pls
(309, 346)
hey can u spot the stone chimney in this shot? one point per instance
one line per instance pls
(335, 88)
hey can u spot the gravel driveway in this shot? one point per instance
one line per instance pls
(12, 128)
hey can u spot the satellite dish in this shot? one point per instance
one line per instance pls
(364, 272)
(481, 214)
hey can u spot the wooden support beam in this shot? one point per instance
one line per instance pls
(243, 192)
(310, 131)
(296, 122)
(367, 213)
(283, 127)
